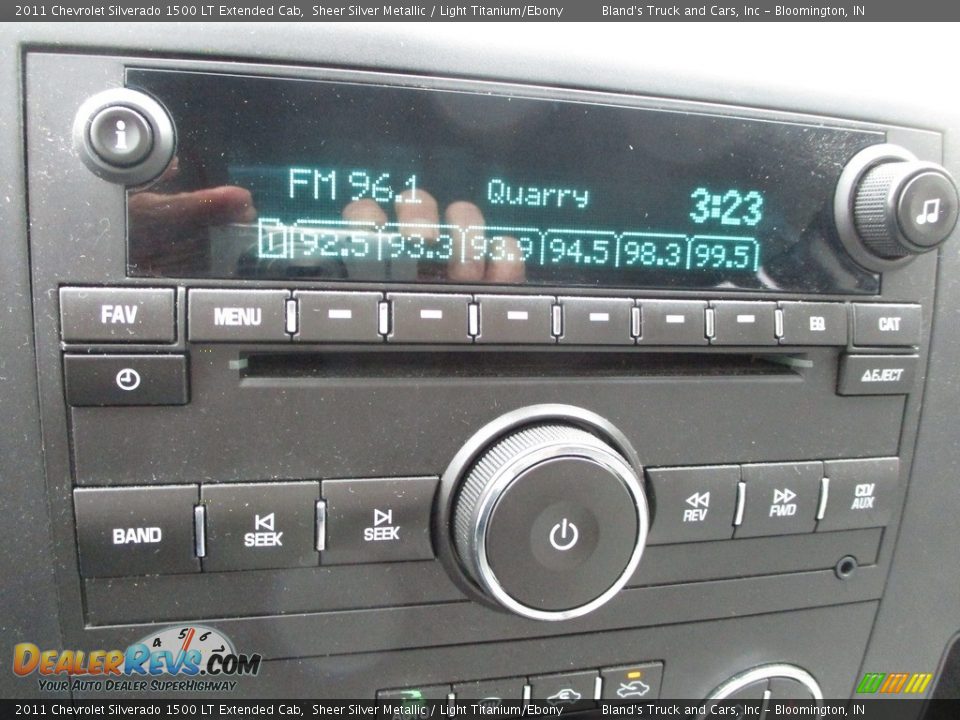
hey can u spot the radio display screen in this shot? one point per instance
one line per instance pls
(281, 179)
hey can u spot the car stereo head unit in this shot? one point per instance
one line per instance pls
(356, 365)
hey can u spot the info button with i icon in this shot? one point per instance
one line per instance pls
(121, 136)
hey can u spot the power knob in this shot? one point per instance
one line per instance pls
(890, 207)
(548, 520)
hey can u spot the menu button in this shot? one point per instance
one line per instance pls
(238, 315)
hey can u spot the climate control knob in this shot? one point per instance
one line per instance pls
(549, 521)
(891, 206)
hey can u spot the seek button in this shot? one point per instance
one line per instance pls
(378, 520)
(260, 525)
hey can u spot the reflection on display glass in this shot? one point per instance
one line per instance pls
(277, 179)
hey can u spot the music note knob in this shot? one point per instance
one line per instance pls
(899, 206)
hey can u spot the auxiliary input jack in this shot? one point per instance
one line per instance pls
(846, 567)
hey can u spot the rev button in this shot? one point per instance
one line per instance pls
(693, 503)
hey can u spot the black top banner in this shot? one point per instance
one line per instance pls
(302, 11)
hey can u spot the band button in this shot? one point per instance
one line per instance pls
(135, 530)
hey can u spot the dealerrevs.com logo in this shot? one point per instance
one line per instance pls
(189, 658)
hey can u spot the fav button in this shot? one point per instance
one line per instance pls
(99, 380)
(781, 498)
(135, 530)
(237, 315)
(130, 315)
(260, 525)
(693, 503)
(378, 520)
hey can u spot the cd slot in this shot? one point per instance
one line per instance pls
(497, 364)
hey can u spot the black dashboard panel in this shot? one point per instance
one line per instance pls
(383, 476)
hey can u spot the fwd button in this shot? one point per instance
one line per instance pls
(779, 498)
